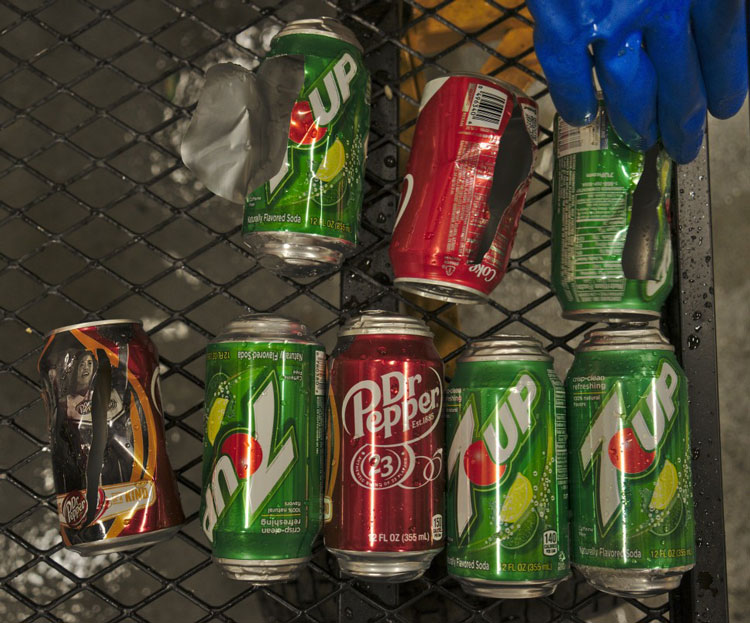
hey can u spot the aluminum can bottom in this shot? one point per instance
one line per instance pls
(124, 543)
(262, 572)
(633, 582)
(441, 290)
(508, 590)
(385, 566)
(294, 254)
(611, 315)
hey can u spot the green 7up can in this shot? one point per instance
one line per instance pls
(631, 486)
(305, 217)
(507, 503)
(262, 448)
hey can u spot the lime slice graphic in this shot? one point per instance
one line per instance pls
(666, 487)
(517, 500)
(524, 531)
(215, 416)
(670, 521)
(332, 163)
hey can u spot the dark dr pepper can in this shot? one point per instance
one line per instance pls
(262, 447)
(629, 456)
(465, 186)
(114, 484)
(385, 478)
(507, 504)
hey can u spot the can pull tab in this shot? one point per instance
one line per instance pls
(638, 254)
(513, 165)
(99, 405)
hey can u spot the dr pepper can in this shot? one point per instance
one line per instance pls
(114, 484)
(465, 186)
(385, 480)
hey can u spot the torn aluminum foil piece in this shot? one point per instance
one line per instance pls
(237, 139)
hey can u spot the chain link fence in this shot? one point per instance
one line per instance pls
(99, 219)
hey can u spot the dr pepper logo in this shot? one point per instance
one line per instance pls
(389, 416)
(74, 507)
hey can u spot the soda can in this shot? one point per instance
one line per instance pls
(600, 193)
(470, 167)
(385, 479)
(306, 216)
(507, 501)
(631, 486)
(114, 485)
(262, 447)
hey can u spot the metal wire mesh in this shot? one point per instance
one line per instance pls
(100, 220)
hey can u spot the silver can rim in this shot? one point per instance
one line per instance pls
(381, 322)
(323, 26)
(626, 337)
(265, 327)
(92, 324)
(505, 347)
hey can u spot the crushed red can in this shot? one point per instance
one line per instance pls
(470, 168)
(383, 506)
(114, 484)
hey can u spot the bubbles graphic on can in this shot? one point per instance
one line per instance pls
(114, 484)
(385, 476)
(306, 216)
(262, 447)
(466, 182)
(631, 488)
(507, 498)
(595, 195)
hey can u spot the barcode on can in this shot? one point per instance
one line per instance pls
(487, 107)
(574, 140)
(320, 373)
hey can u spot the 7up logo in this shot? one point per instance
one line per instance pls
(253, 461)
(317, 107)
(484, 463)
(625, 445)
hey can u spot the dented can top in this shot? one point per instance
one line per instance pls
(626, 337)
(323, 26)
(93, 323)
(265, 328)
(379, 322)
(503, 347)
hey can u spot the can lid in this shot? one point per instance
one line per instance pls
(502, 347)
(379, 322)
(93, 323)
(323, 26)
(265, 327)
(625, 337)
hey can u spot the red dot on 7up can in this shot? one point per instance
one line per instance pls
(262, 448)
(507, 474)
(305, 217)
(631, 486)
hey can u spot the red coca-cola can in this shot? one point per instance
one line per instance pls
(385, 481)
(114, 484)
(470, 167)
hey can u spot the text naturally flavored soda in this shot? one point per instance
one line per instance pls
(631, 487)
(602, 189)
(262, 463)
(385, 479)
(302, 220)
(507, 505)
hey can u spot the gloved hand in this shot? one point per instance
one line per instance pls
(659, 63)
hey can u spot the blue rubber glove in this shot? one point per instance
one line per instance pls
(660, 63)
